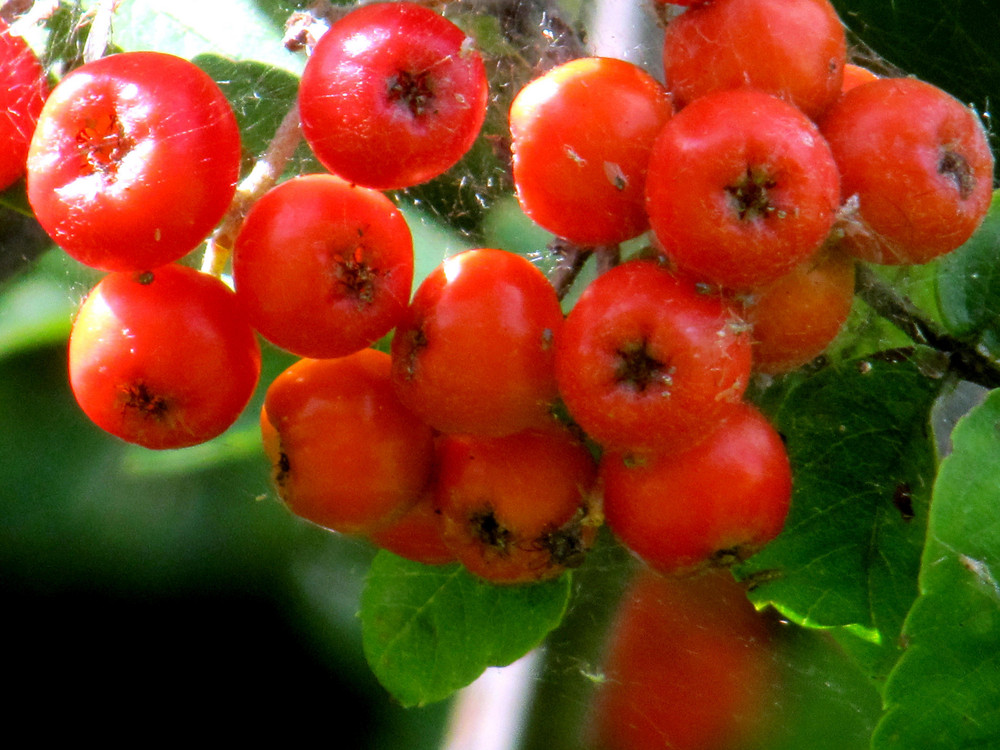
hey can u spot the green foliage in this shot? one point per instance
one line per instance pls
(429, 631)
(863, 463)
(968, 285)
(945, 691)
(893, 555)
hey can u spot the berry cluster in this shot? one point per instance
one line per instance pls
(761, 170)
(445, 448)
(491, 426)
(134, 160)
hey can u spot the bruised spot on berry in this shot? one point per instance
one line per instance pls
(103, 144)
(414, 341)
(750, 196)
(412, 91)
(956, 167)
(145, 278)
(636, 368)
(565, 545)
(139, 399)
(282, 469)
(487, 529)
(355, 276)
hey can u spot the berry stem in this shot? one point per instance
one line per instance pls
(963, 359)
(12, 9)
(608, 256)
(262, 177)
(571, 259)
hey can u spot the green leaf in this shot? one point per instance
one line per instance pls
(863, 461)
(428, 631)
(968, 284)
(261, 95)
(945, 691)
(239, 29)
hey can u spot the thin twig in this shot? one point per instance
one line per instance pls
(262, 177)
(963, 359)
(11, 9)
(572, 258)
(608, 256)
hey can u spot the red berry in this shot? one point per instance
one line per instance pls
(23, 88)
(689, 665)
(581, 136)
(716, 503)
(345, 454)
(417, 535)
(134, 160)
(323, 268)
(393, 95)
(795, 318)
(794, 49)
(647, 361)
(741, 188)
(916, 165)
(475, 351)
(518, 508)
(164, 358)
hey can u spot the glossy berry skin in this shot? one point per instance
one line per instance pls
(134, 160)
(416, 535)
(647, 361)
(714, 504)
(795, 318)
(393, 95)
(689, 665)
(323, 268)
(519, 508)
(475, 351)
(163, 359)
(794, 49)
(741, 188)
(916, 169)
(345, 454)
(581, 135)
(23, 88)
